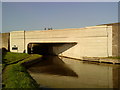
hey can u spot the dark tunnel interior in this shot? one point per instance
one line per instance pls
(48, 48)
(43, 49)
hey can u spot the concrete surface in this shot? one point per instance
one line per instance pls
(5, 43)
(94, 41)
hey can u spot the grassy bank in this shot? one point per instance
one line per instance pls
(10, 57)
(16, 76)
(14, 73)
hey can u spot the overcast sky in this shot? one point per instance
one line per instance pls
(58, 15)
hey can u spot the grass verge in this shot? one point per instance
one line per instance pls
(14, 74)
(11, 57)
(30, 60)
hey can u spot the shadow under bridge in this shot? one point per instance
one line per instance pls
(53, 48)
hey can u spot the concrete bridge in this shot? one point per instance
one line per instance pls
(94, 41)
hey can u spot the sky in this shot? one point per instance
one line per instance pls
(59, 0)
(58, 15)
(0, 17)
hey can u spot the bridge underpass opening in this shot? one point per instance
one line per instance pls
(49, 48)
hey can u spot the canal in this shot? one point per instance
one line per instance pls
(59, 72)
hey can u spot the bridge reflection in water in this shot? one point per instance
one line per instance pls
(55, 72)
(53, 65)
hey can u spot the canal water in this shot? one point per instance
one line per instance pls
(59, 72)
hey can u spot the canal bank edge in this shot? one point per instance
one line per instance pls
(112, 60)
(102, 59)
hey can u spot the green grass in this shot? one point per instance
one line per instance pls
(3, 65)
(30, 59)
(114, 57)
(16, 76)
(11, 57)
(14, 73)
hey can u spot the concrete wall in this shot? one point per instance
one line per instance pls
(5, 40)
(17, 39)
(116, 39)
(93, 41)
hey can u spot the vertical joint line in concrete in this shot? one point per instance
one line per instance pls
(9, 42)
(24, 41)
(107, 40)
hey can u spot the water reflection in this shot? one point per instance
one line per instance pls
(53, 65)
(116, 77)
(56, 73)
